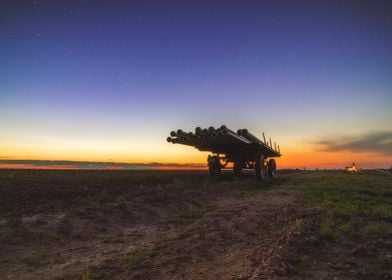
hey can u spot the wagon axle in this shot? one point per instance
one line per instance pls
(263, 167)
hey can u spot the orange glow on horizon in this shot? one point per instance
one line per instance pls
(293, 156)
(178, 167)
(32, 166)
(320, 159)
(73, 167)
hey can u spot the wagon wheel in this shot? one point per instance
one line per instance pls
(214, 170)
(271, 168)
(214, 167)
(259, 167)
(237, 168)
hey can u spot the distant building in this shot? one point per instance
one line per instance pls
(351, 169)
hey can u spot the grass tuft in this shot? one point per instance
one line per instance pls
(139, 255)
(86, 273)
(327, 231)
(193, 214)
(298, 222)
(346, 228)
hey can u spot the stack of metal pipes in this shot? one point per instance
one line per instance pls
(208, 138)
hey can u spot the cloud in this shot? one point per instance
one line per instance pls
(376, 142)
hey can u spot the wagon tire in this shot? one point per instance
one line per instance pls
(259, 167)
(214, 167)
(271, 168)
(214, 171)
(237, 168)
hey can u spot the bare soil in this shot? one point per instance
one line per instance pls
(170, 225)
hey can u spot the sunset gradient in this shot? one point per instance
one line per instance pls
(108, 81)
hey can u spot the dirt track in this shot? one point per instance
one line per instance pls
(242, 239)
(127, 225)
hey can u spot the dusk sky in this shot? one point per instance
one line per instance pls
(109, 80)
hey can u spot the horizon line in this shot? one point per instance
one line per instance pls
(92, 165)
(108, 165)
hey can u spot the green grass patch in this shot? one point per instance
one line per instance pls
(346, 228)
(347, 199)
(86, 275)
(139, 255)
(251, 187)
(193, 214)
(327, 230)
(247, 194)
(298, 222)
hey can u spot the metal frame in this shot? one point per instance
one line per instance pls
(264, 167)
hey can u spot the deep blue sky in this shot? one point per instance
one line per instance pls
(106, 72)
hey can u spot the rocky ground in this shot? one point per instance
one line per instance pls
(173, 225)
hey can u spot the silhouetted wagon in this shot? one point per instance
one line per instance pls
(242, 149)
